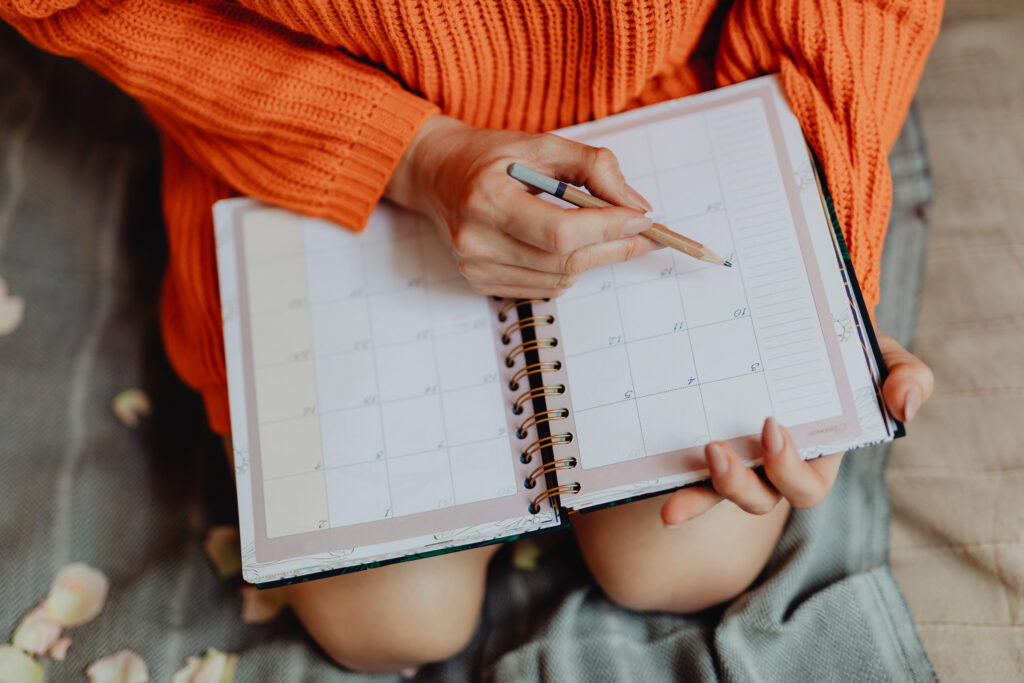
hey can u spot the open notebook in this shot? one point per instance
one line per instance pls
(381, 410)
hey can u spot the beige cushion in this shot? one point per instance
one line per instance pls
(957, 483)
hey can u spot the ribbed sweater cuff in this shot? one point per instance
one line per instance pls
(368, 159)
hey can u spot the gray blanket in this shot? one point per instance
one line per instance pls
(81, 241)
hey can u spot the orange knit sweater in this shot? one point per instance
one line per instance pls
(310, 104)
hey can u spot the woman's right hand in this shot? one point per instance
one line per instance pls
(508, 242)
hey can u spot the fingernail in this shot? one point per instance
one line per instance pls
(636, 198)
(718, 463)
(911, 402)
(635, 226)
(772, 439)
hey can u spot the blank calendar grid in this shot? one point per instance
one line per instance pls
(402, 397)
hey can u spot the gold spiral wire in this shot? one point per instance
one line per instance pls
(550, 390)
(516, 303)
(530, 321)
(551, 492)
(532, 345)
(537, 473)
(540, 418)
(533, 369)
(527, 455)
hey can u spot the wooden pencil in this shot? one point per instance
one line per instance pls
(657, 232)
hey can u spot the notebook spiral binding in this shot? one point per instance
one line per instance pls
(534, 368)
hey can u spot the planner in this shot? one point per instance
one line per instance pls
(381, 411)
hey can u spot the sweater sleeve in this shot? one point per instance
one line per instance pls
(276, 115)
(849, 70)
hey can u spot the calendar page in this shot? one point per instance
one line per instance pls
(666, 353)
(369, 418)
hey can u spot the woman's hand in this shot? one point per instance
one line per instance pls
(508, 242)
(803, 483)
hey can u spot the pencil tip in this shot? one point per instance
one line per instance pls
(727, 264)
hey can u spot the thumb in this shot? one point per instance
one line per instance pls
(685, 504)
(910, 382)
(595, 168)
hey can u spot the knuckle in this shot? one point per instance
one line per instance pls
(468, 270)
(576, 263)
(604, 161)
(467, 244)
(727, 486)
(634, 248)
(604, 157)
(461, 242)
(480, 288)
(565, 281)
(560, 238)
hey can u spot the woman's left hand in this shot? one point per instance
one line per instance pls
(803, 483)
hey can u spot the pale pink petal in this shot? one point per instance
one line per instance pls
(210, 670)
(186, 673)
(59, 649)
(261, 606)
(12, 310)
(36, 632)
(224, 550)
(77, 594)
(18, 667)
(214, 667)
(121, 667)
(130, 405)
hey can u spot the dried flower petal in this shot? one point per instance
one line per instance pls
(213, 667)
(121, 667)
(261, 606)
(186, 674)
(224, 550)
(36, 632)
(12, 310)
(59, 649)
(130, 405)
(526, 554)
(77, 595)
(18, 667)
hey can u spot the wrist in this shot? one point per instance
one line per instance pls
(413, 177)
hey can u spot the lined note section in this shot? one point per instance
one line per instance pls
(800, 378)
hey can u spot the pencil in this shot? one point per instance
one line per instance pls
(657, 232)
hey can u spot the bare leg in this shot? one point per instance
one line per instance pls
(398, 616)
(709, 560)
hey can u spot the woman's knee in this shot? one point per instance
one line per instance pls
(398, 616)
(709, 561)
(681, 589)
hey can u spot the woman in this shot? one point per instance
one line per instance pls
(324, 106)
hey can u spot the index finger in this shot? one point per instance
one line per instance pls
(562, 231)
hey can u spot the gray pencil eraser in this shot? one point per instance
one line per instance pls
(533, 178)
